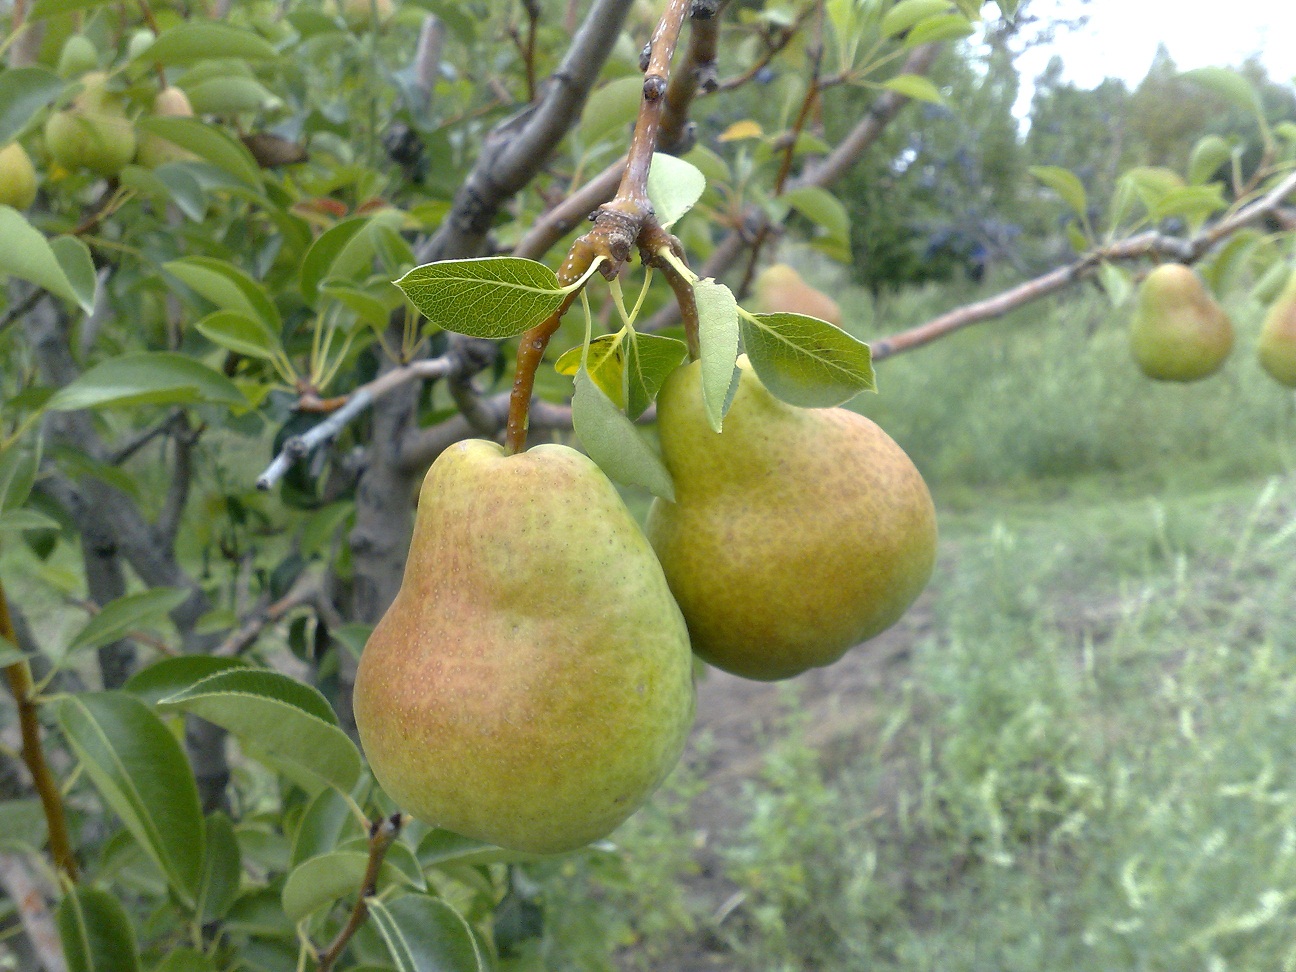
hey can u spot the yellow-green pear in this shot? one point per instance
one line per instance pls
(170, 102)
(94, 133)
(780, 289)
(795, 533)
(17, 177)
(1179, 332)
(531, 684)
(1277, 346)
(360, 14)
(77, 56)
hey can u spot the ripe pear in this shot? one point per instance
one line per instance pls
(795, 534)
(17, 177)
(1179, 332)
(531, 684)
(94, 133)
(1277, 346)
(780, 289)
(170, 102)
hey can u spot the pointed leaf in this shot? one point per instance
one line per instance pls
(24, 92)
(491, 297)
(1065, 184)
(318, 262)
(806, 361)
(226, 286)
(915, 86)
(613, 442)
(222, 870)
(326, 821)
(78, 266)
(240, 334)
(424, 934)
(13, 521)
(192, 41)
(126, 613)
(207, 142)
(906, 13)
(96, 932)
(605, 362)
(1229, 85)
(147, 377)
(822, 208)
(272, 714)
(610, 110)
(18, 466)
(650, 358)
(718, 337)
(673, 187)
(1208, 155)
(25, 253)
(171, 675)
(320, 881)
(140, 771)
(443, 847)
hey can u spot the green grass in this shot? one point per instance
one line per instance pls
(1089, 761)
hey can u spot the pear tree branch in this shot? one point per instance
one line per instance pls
(1136, 247)
(382, 834)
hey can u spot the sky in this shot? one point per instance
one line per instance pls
(1121, 38)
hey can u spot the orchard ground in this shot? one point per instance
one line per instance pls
(1074, 752)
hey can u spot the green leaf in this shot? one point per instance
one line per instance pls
(18, 466)
(906, 13)
(610, 110)
(614, 443)
(1116, 283)
(1065, 184)
(272, 714)
(22, 824)
(49, 8)
(232, 96)
(186, 960)
(123, 615)
(318, 262)
(13, 521)
(327, 820)
(147, 377)
(25, 253)
(10, 654)
(228, 287)
(424, 934)
(324, 525)
(1208, 155)
(673, 187)
(140, 771)
(491, 297)
(240, 334)
(207, 142)
(915, 86)
(192, 41)
(649, 359)
(1230, 85)
(1150, 184)
(171, 183)
(24, 92)
(222, 870)
(74, 259)
(605, 363)
(171, 675)
(368, 308)
(718, 338)
(943, 27)
(439, 848)
(318, 882)
(96, 932)
(822, 208)
(806, 361)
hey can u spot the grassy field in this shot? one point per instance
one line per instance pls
(1085, 758)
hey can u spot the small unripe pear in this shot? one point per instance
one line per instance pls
(170, 102)
(1277, 346)
(140, 42)
(94, 133)
(77, 57)
(1179, 332)
(780, 289)
(17, 177)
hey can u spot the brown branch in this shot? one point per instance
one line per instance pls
(382, 833)
(19, 677)
(1136, 247)
(306, 590)
(697, 73)
(20, 887)
(532, 8)
(531, 349)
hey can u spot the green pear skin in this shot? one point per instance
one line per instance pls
(1277, 345)
(796, 533)
(94, 133)
(531, 684)
(780, 289)
(1179, 332)
(17, 177)
(170, 102)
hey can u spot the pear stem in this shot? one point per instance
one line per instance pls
(382, 834)
(19, 678)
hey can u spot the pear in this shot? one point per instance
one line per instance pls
(17, 177)
(94, 133)
(795, 534)
(780, 289)
(531, 684)
(359, 14)
(1277, 346)
(1179, 332)
(77, 56)
(170, 102)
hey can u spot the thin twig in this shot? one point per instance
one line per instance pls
(22, 307)
(382, 833)
(20, 682)
(1136, 247)
(306, 590)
